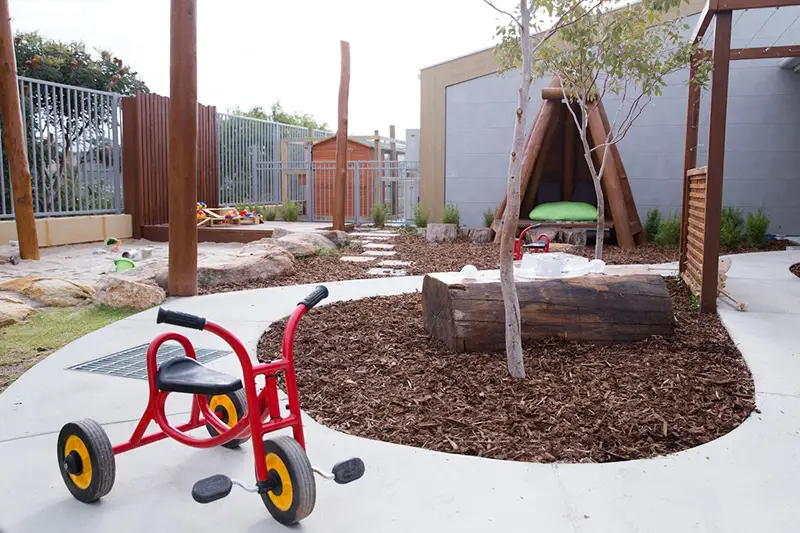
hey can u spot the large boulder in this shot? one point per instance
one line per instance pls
(441, 232)
(125, 293)
(13, 310)
(337, 237)
(305, 244)
(277, 233)
(54, 292)
(257, 262)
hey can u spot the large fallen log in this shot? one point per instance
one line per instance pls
(469, 317)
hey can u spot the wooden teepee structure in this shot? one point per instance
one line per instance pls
(554, 169)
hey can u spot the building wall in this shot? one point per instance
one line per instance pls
(762, 156)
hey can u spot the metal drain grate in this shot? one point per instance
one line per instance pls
(132, 363)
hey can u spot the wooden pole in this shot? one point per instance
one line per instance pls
(716, 160)
(183, 149)
(14, 137)
(376, 176)
(689, 158)
(340, 180)
(393, 170)
(568, 180)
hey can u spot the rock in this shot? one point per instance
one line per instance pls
(479, 235)
(305, 244)
(566, 248)
(441, 232)
(277, 233)
(258, 261)
(13, 310)
(54, 292)
(124, 293)
(337, 237)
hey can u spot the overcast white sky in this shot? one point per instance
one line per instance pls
(251, 52)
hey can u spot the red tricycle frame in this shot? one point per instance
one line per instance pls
(259, 405)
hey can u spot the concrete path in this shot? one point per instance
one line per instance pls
(746, 481)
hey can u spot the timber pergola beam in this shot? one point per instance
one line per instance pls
(720, 12)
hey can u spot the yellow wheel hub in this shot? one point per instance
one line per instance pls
(284, 500)
(75, 444)
(225, 402)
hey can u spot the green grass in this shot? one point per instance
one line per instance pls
(24, 344)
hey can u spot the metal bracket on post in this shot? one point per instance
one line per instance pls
(356, 193)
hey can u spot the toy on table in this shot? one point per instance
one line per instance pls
(537, 246)
(231, 409)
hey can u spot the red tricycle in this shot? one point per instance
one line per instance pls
(537, 246)
(231, 409)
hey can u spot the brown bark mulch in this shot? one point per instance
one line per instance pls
(795, 269)
(368, 368)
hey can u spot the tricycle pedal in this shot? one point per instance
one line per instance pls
(212, 488)
(348, 471)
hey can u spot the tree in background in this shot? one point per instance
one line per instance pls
(59, 119)
(627, 53)
(277, 113)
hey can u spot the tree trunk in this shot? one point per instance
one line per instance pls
(340, 178)
(513, 334)
(601, 218)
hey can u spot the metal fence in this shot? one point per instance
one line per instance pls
(310, 184)
(243, 140)
(73, 144)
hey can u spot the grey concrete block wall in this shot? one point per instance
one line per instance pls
(762, 149)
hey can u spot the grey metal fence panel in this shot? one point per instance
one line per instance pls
(73, 143)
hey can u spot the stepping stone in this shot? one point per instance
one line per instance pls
(379, 253)
(385, 272)
(375, 246)
(395, 263)
(357, 258)
(371, 239)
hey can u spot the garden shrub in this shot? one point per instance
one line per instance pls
(652, 224)
(290, 211)
(731, 229)
(380, 213)
(669, 231)
(420, 217)
(488, 217)
(756, 229)
(270, 212)
(451, 215)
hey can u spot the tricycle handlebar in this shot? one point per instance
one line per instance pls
(319, 294)
(176, 318)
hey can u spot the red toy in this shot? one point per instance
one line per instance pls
(537, 246)
(224, 405)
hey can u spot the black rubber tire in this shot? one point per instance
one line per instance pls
(239, 400)
(301, 475)
(101, 455)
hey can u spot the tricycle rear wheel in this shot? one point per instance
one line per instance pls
(230, 408)
(86, 460)
(290, 471)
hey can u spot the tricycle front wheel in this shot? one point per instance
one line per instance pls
(86, 460)
(294, 494)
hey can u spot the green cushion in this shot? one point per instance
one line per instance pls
(564, 211)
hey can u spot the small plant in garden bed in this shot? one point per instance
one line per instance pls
(420, 217)
(756, 229)
(731, 228)
(290, 211)
(451, 215)
(408, 229)
(669, 231)
(651, 224)
(488, 217)
(270, 212)
(380, 212)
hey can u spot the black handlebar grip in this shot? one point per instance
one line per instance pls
(176, 318)
(319, 294)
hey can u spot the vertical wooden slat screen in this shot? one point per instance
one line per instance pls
(695, 227)
(145, 144)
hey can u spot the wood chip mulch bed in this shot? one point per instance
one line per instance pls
(368, 368)
(795, 269)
